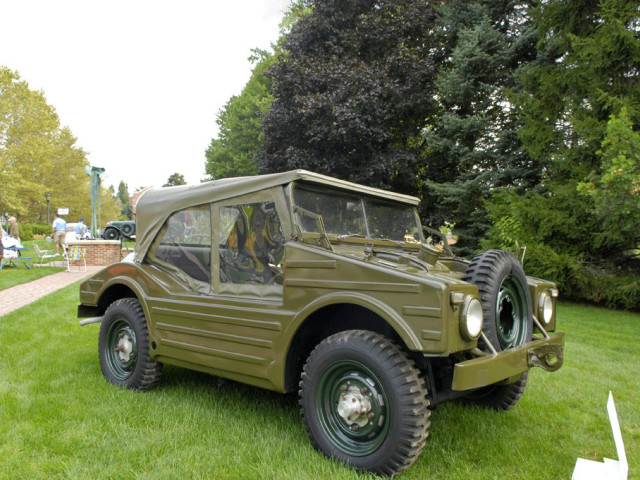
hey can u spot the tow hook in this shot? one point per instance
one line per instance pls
(547, 357)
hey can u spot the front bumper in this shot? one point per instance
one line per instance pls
(546, 353)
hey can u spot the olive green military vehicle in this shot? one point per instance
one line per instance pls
(301, 282)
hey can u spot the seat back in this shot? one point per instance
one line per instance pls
(77, 253)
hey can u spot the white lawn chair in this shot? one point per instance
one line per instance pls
(43, 255)
(78, 256)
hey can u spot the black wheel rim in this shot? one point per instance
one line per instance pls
(121, 349)
(512, 315)
(352, 408)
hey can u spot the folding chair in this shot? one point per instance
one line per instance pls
(42, 255)
(77, 255)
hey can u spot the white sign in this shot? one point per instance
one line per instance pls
(610, 469)
(63, 211)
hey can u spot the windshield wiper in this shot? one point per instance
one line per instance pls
(350, 235)
(384, 239)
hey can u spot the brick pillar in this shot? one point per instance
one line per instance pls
(100, 252)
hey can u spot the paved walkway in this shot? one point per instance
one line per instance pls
(15, 297)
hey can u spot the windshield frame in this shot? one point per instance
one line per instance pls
(365, 204)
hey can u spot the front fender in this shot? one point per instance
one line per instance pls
(381, 309)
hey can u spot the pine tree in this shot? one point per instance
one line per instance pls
(588, 72)
(472, 147)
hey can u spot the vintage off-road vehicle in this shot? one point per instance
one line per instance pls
(298, 281)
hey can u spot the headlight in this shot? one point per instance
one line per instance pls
(545, 308)
(471, 319)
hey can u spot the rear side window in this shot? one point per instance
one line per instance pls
(184, 243)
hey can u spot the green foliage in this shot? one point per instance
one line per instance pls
(554, 249)
(616, 190)
(37, 155)
(39, 228)
(352, 92)
(586, 72)
(577, 101)
(472, 146)
(26, 233)
(122, 199)
(173, 180)
(239, 133)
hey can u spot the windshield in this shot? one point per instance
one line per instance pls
(354, 215)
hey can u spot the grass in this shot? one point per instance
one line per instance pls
(59, 418)
(11, 276)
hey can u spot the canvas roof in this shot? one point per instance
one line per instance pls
(157, 204)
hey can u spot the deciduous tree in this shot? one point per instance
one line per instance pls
(239, 133)
(175, 179)
(352, 92)
(37, 155)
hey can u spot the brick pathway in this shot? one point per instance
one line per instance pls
(15, 297)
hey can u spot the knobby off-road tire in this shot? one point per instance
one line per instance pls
(508, 319)
(123, 347)
(363, 373)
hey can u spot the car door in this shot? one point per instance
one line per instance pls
(228, 314)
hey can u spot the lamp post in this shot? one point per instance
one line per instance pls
(48, 197)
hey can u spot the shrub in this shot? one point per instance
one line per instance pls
(26, 232)
(580, 281)
(41, 229)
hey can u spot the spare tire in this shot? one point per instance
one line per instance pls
(128, 229)
(508, 320)
(506, 303)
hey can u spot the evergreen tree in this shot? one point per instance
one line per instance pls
(472, 147)
(588, 73)
(122, 198)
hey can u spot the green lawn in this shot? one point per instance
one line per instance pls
(59, 418)
(11, 276)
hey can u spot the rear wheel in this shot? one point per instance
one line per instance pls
(111, 234)
(508, 320)
(364, 403)
(123, 347)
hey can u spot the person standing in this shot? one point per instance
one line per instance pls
(58, 232)
(81, 229)
(14, 231)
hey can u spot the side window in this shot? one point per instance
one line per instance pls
(251, 244)
(184, 242)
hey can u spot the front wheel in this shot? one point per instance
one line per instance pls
(364, 403)
(123, 347)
